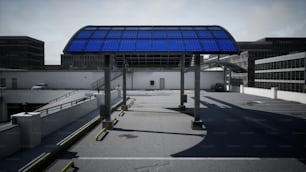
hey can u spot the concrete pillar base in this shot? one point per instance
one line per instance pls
(197, 125)
(108, 124)
(124, 107)
(30, 127)
(182, 107)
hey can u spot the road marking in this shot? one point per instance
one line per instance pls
(166, 158)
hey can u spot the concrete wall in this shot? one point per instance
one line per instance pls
(12, 137)
(9, 140)
(135, 80)
(54, 79)
(292, 96)
(259, 92)
(59, 119)
(275, 94)
(141, 80)
(33, 96)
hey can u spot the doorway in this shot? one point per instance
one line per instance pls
(162, 83)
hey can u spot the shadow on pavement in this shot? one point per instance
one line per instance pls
(233, 131)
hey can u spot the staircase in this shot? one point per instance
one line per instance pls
(99, 84)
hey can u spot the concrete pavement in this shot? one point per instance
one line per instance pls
(243, 133)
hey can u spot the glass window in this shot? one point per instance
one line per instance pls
(189, 34)
(114, 34)
(130, 34)
(143, 45)
(200, 28)
(159, 34)
(93, 46)
(159, 45)
(193, 46)
(210, 45)
(226, 45)
(204, 34)
(214, 28)
(99, 34)
(174, 34)
(90, 28)
(3, 82)
(220, 34)
(77, 45)
(110, 45)
(144, 34)
(127, 46)
(176, 45)
(84, 34)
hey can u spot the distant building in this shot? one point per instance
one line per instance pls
(264, 48)
(21, 52)
(287, 72)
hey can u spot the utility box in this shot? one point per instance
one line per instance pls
(102, 111)
(184, 98)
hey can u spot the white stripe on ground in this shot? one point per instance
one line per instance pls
(168, 158)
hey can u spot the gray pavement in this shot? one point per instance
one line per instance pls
(242, 133)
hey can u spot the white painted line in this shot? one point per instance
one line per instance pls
(167, 158)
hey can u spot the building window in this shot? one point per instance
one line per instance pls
(2, 82)
(14, 83)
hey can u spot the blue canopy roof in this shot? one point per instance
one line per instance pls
(152, 39)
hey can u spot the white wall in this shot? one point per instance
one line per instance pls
(292, 96)
(275, 94)
(259, 92)
(135, 80)
(141, 80)
(58, 80)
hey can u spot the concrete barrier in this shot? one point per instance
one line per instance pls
(61, 118)
(292, 96)
(274, 93)
(259, 92)
(31, 128)
(9, 140)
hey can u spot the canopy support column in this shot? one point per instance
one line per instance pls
(124, 106)
(183, 97)
(197, 123)
(107, 122)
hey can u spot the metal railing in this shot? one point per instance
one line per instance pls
(59, 107)
(100, 82)
(63, 96)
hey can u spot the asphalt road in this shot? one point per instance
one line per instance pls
(242, 133)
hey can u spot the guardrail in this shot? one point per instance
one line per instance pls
(65, 95)
(39, 163)
(100, 82)
(48, 110)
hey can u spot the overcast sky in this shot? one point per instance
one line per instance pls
(55, 21)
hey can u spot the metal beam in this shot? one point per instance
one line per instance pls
(197, 123)
(197, 88)
(183, 98)
(107, 123)
(125, 65)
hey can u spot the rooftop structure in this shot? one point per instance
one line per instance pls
(145, 45)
